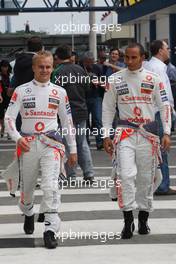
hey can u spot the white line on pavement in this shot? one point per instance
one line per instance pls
(87, 206)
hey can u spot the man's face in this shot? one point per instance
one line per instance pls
(114, 56)
(165, 52)
(88, 62)
(133, 58)
(42, 69)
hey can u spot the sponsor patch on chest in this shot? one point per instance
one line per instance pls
(29, 105)
(52, 106)
(53, 100)
(122, 88)
(53, 103)
(146, 87)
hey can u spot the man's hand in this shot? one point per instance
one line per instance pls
(23, 144)
(72, 159)
(165, 142)
(106, 63)
(1, 99)
(108, 146)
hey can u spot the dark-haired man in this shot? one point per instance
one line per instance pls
(160, 53)
(136, 143)
(73, 79)
(23, 65)
(114, 64)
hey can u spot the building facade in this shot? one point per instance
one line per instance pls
(152, 20)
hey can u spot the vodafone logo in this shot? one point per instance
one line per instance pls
(54, 91)
(149, 78)
(39, 126)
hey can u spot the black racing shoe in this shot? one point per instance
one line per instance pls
(127, 231)
(143, 228)
(114, 199)
(129, 226)
(29, 224)
(50, 239)
(41, 218)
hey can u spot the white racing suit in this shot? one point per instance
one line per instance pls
(135, 93)
(115, 175)
(39, 104)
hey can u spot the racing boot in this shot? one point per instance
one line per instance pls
(41, 218)
(129, 227)
(50, 239)
(143, 228)
(29, 224)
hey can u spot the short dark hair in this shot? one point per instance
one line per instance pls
(136, 45)
(34, 44)
(155, 46)
(111, 50)
(63, 52)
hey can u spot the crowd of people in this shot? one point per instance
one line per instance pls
(126, 91)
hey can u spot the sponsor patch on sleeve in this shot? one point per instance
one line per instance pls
(163, 92)
(164, 99)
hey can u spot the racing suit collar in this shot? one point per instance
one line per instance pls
(40, 84)
(136, 71)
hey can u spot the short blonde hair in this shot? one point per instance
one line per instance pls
(43, 53)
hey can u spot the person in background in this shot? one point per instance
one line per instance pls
(5, 90)
(171, 72)
(113, 65)
(72, 78)
(94, 96)
(23, 66)
(74, 57)
(160, 53)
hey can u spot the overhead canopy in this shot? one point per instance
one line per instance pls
(143, 8)
(58, 6)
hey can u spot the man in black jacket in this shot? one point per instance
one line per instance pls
(23, 66)
(23, 72)
(74, 79)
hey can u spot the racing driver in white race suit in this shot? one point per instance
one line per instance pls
(39, 102)
(135, 91)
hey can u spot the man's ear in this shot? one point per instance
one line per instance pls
(33, 67)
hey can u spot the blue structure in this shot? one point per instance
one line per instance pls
(153, 20)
